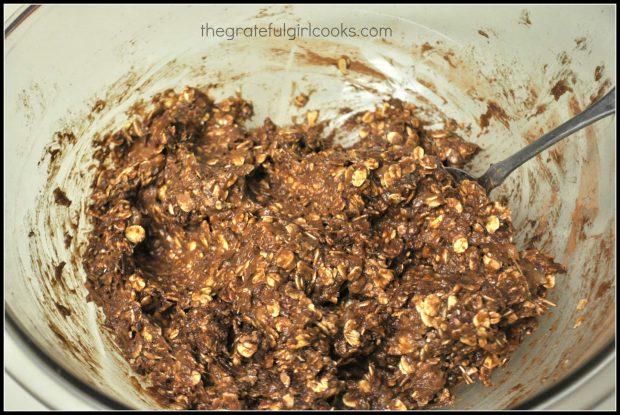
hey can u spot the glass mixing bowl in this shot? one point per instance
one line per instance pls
(464, 60)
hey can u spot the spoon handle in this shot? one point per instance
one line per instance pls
(498, 172)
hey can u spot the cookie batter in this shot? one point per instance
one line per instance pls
(267, 268)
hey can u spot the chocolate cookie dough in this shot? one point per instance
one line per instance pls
(268, 268)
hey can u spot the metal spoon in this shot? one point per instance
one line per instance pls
(497, 173)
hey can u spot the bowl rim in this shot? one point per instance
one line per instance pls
(87, 393)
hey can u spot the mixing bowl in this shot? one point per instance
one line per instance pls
(507, 73)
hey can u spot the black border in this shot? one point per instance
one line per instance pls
(60, 372)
